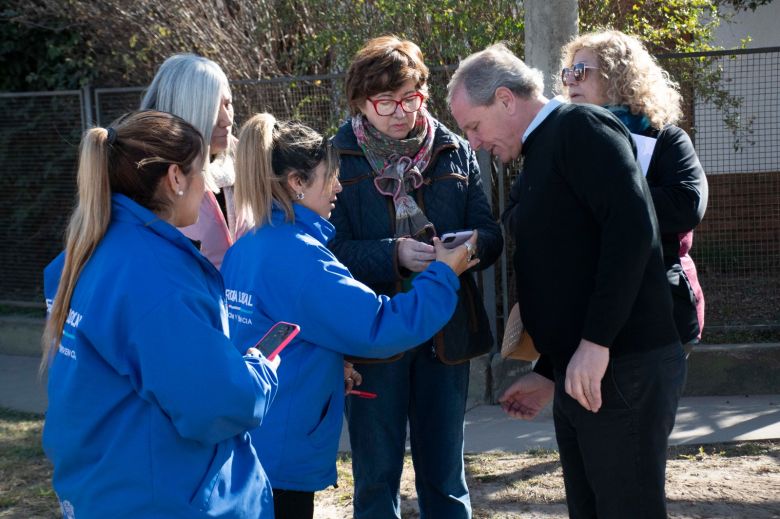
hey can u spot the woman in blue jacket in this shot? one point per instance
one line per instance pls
(281, 270)
(149, 402)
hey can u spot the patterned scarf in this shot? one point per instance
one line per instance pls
(635, 123)
(398, 164)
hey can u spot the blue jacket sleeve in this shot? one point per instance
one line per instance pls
(181, 361)
(347, 316)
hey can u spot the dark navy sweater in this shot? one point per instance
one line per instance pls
(587, 260)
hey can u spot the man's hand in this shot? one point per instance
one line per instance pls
(415, 255)
(584, 373)
(527, 396)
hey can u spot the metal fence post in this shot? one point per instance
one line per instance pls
(87, 118)
(489, 274)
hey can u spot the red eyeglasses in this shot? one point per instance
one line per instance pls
(410, 104)
(578, 72)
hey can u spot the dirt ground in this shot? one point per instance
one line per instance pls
(729, 481)
(726, 481)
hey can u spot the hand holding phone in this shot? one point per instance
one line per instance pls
(450, 240)
(458, 258)
(277, 337)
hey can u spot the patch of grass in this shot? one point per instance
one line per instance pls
(726, 450)
(25, 473)
(24, 311)
(543, 453)
(771, 448)
(503, 484)
(744, 336)
(344, 469)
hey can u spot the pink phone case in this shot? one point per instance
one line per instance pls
(277, 338)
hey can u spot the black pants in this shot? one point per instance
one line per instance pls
(292, 504)
(614, 461)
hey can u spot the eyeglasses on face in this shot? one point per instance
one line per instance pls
(577, 71)
(410, 104)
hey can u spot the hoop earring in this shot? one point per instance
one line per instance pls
(299, 196)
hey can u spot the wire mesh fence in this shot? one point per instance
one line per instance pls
(39, 138)
(732, 113)
(735, 123)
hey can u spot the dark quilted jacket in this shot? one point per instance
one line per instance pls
(452, 197)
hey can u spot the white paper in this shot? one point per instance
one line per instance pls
(644, 150)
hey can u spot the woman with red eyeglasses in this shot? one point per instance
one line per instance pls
(615, 70)
(407, 178)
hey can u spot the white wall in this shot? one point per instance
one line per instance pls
(761, 26)
(753, 79)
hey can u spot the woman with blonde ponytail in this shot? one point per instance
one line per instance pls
(149, 402)
(281, 270)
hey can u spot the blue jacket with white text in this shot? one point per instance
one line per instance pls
(149, 402)
(283, 271)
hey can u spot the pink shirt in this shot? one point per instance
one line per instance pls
(211, 230)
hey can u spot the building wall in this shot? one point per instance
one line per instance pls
(760, 25)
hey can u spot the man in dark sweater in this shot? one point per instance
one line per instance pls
(591, 284)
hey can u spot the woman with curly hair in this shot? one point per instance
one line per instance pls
(616, 71)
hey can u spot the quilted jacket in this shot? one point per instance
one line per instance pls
(452, 197)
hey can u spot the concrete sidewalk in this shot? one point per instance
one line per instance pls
(700, 419)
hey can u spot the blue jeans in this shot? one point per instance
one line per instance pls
(432, 396)
(614, 461)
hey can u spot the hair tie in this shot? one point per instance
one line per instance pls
(111, 138)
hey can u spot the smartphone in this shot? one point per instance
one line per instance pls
(277, 338)
(452, 239)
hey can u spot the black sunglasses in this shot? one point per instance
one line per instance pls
(577, 71)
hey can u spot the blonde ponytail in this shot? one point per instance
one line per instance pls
(257, 186)
(268, 153)
(86, 228)
(131, 161)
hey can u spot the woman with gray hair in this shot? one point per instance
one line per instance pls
(197, 90)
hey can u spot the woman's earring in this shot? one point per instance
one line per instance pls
(180, 192)
(299, 196)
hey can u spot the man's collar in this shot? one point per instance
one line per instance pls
(551, 105)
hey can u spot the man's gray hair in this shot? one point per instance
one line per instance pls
(483, 72)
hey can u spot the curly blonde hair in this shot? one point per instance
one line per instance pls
(631, 75)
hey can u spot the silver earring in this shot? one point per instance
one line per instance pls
(299, 196)
(180, 192)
